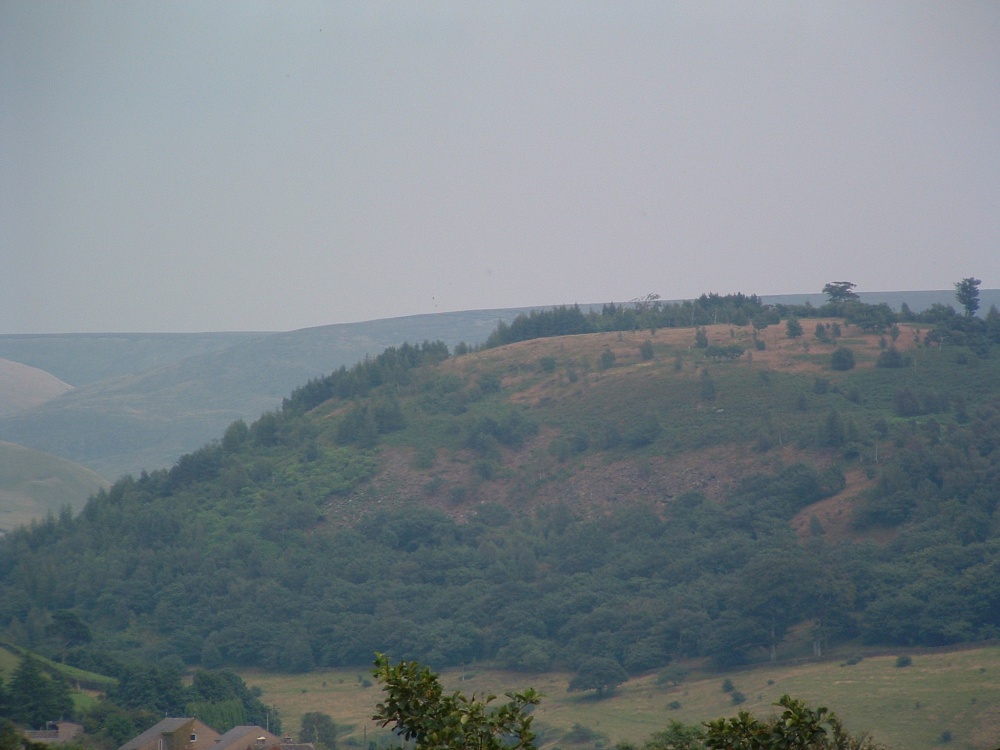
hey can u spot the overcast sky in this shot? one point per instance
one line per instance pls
(196, 166)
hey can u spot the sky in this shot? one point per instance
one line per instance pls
(193, 166)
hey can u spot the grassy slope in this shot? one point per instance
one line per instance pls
(33, 484)
(910, 708)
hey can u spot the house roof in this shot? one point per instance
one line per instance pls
(242, 736)
(164, 727)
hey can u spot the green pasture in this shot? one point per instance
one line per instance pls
(954, 694)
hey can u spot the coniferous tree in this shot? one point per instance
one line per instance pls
(36, 698)
(967, 294)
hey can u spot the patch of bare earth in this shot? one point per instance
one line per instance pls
(836, 513)
(530, 478)
(594, 488)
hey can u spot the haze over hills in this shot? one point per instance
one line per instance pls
(125, 416)
(35, 484)
(142, 400)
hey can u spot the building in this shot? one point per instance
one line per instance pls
(175, 734)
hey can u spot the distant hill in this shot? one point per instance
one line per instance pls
(23, 387)
(34, 484)
(83, 358)
(137, 417)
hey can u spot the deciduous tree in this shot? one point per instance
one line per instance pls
(418, 709)
(798, 728)
(598, 673)
(840, 291)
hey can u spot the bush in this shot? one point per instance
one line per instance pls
(842, 359)
(891, 358)
(903, 661)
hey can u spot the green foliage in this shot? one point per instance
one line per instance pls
(840, 291)
(600, 674)
(869, 318)
(731, 351)
(793, 328)
(319, 729)
(221, 715)
(842, 359)
(510, 429)
(35, 698)
(700, 338)
(892, 358)
(967, 294)
(708, 389)
(526, 653)
(646, 350)
(797, 728)
(393, 366)
(677, 736)
(419, 711)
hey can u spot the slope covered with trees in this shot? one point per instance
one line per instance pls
(636, 494)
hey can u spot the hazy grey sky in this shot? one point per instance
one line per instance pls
(183, 166)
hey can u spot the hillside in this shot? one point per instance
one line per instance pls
(35, 484)
(23, 387)
(142, 400)
(645, 494)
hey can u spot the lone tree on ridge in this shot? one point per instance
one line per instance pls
(967, 294)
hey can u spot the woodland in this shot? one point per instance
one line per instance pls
(427, 503)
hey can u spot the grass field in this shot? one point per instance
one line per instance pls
(952, 696)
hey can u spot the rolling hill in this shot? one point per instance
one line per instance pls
(34, 485)
(24, 387)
